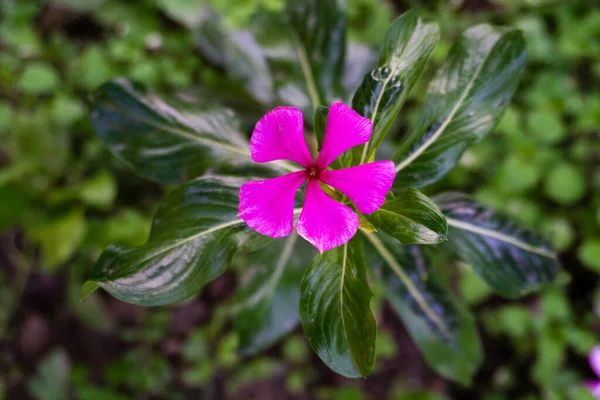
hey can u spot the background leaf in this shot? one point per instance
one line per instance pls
(319, 35)
(411, 217)
(335, 311)
(512, 260)
(465, 101)
(442, 327)
(239, 54)
(195, 233)
(164, 142)
(403, 55)
(267, 304)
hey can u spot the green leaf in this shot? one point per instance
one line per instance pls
(513, 261)
(38, 78)
(51, 381)
(403, 55)
(267, 304)
(444, 330)
(565, 183)
(159, 142)
(60, 238)
(195, 233)
(319, 123)
(465, 101)
(411, 217)
(240, 55)
(335, 311)
(318, 31)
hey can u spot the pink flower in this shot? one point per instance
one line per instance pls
(594, 358)
(267, 206)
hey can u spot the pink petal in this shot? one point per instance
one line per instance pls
(594, 388)
(324, 222)
(345, 129)
(366, 185)
(267, 206)
(594, 359)
(279, 135)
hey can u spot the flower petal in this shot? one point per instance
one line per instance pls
(594, 388)
(267, 206)
(279, 135)
(345, 129)
(366, 185)
(594, 359)
(324, 222)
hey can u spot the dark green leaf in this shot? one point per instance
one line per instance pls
(513, 261)
(239, 55)
(162, 141)
(320, 122)
(319, 35)
(443, 329)
(411, 217)
(403, 55)
(465, 101)
(335, 311)
(267, 304)
(195, 233)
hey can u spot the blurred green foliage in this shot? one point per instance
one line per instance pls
(69, 198)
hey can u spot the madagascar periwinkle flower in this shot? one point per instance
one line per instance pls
(267, 206)
(594, 358)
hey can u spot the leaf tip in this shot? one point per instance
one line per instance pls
(88, 288)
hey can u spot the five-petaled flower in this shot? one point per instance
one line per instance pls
(594, 358)
(267, 206)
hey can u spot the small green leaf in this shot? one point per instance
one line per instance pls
(159, 142)
(403, 55)
(411, 217)
(565, 183)
(38, 78)
(266, 307)
(195, 233)
(318, 31)
(513, 261)
(51, 382)
(465, 101)
(589, 253)
(444, 330)
(335, 311)
(60, 238)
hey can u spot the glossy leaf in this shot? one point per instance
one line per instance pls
(195, 233)
(411, 217)
(239, 55)
(320, 123)
(465, 101)
(318, 31)
(335, 311)
(442, 327)
(266, 307)
(163, 142)
(512, 260)
(403, 55)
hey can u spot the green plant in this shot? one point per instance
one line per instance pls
(196, 232)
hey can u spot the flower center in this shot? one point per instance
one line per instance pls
(313, 172)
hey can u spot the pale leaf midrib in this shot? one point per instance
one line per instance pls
(271, 284)
(397, 268)
(502, 237)
(404, 163)
(237, 221)
(195, 138)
